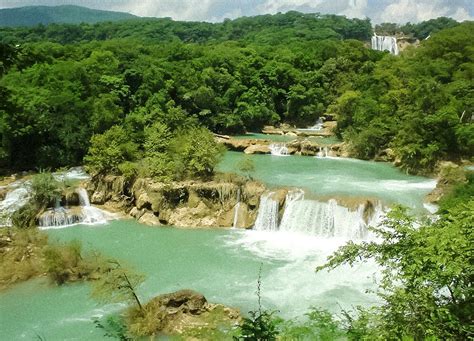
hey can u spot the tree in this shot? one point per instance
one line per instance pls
(427, 274)
(118, 284)
(195, 152)
(109, 150)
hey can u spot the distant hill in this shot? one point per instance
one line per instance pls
(67, 14)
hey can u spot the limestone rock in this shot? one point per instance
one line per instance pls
(150, 219)
(183, 311)
(257, 149)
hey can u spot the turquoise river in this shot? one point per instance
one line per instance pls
(222, 264)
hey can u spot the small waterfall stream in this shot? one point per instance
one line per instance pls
(323, 152)
(83, 214)
(279, 149)
(19, 193)
(311, 217)
(267, 217)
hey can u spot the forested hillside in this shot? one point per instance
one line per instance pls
(263, 29)
(62, 84)
(34, 15)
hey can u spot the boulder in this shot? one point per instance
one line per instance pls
(136, 213)
(182, 312)
(150, 219)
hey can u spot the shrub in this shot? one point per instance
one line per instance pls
(110, 149)
(195, 153)
(46, 189)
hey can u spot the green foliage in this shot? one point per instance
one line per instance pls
(66, 262)
(319, 326)
(420, 30)
(46, 190)
(462, 192)
(416, 104)
(113, 327)
(262, 324)
(117, 284)
(427, 274)
(25, 216)
(195, 153)
(116, 95)
(20, 255)
(109, 150)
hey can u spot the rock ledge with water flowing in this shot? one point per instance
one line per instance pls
(184, 204)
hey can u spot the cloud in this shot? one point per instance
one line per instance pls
(407, 10)
(356, 9)
(216, 10)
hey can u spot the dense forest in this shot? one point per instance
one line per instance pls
(62, 85)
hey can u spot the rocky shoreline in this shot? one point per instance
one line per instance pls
(296, 147)
(217, 204)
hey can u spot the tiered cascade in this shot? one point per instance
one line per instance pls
(323, 219)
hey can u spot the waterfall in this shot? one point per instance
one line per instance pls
(279, 149)
(323, 152)
(322, 219)
(318, 126)
(236, 210)
(267, 217)
(19, 193)
(14, 200)
(83, 197)
(385, 43)
(84, 214)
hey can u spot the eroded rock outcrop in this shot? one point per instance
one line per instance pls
(184, 204)
(185, 313)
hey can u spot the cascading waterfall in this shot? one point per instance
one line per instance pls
(318, 126)
(267, 217)
(278, 149)
(14, 200)
(322, 219)
(385, 43)
(84, 214)
(323, 152)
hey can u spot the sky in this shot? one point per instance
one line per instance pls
(399, 11)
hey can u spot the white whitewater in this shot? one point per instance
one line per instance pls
(323, 152)
(279, 149)
(385, 43)
(318, 126)
(267, 217)
(14, 200)
(85, 214)
(315, 218)
(19, 194)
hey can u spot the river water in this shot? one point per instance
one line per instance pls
(222, 264)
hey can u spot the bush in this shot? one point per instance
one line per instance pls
(67, 263)
(195, 153)
(110, 149)
(320, 325)
(46, 189)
